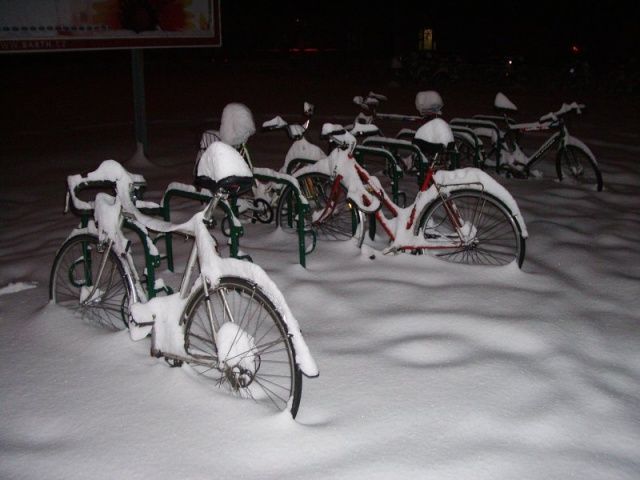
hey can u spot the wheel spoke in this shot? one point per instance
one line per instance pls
(490, 235)
(76, 266)
(259, 362)
(578, 167)
(332, 223)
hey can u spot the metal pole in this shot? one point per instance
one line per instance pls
(137, 71)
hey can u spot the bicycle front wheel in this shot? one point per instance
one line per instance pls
(471, 227)
(577, 166)
(75, 283)
(331, 214)
(237, 338)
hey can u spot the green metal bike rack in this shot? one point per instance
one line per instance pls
(396, 146)
(474, 123)
(230, 209)
(301, 210)
(188, 192)
(393, 169)
(478, 154)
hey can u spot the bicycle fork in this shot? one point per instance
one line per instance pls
(103, 263)
(191, 265)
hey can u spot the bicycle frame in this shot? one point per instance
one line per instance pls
(520, 164)
(126, 221)
(432, 221)
(428, 192)
(555, 141)
(145, 309)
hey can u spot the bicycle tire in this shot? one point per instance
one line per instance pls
(317, 187)
(264, 369)
(76, 267)
(497, 237)
(573, 162)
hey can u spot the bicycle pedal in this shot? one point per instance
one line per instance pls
(390, 251)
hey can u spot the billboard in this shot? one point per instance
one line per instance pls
(51, 25)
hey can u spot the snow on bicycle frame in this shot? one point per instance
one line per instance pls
(221, 169)
(436, 132)
(367, 194)
(434, 136)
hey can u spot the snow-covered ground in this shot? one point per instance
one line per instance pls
(428, 370)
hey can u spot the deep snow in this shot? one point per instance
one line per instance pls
(428, 370)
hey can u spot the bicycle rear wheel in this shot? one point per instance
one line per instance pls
(250, 355)
(74, 274)
(491, 234)
(342, 222)
(577, 166)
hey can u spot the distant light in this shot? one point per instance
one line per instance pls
(510, 62)
(575, 49)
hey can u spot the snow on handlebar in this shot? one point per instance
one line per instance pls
(371, 101)
(339, 136)
(294, 130)
(564, 110)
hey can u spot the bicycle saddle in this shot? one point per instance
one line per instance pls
(429, 103)
(221, 167)
(501, 102)
(433, 137)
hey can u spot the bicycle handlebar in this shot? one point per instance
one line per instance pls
(294, 130)
(338, 135)
(370, 102)
(564, 110)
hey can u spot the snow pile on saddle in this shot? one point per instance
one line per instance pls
(501, 101)
(220, 161)
(236, 124)
(429, 102)
(435, 131)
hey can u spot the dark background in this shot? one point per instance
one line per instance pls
(543, 30)
(276, 54)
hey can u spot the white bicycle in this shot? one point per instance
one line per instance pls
(228, 320)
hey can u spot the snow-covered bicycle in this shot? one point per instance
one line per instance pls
(465, 150)
(301, 151)
(463, 216)
(236, 127)
(502, 136)
(228, 320)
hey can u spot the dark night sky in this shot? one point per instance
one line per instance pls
(537, 29)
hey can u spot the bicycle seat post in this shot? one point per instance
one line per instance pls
(213, 204)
